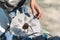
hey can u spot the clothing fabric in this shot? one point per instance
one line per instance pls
(4, 21)
(9, 5)
(23, 13)
(19, 20)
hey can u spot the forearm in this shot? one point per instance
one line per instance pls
(36, 6)
(32, 5)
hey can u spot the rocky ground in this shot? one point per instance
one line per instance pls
(51, 19)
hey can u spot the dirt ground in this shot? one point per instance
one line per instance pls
(51, 18)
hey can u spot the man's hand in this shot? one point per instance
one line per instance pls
(35, 8)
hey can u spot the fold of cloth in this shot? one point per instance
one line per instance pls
(19, 20)
(3, 21)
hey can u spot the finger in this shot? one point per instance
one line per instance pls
(40, 15)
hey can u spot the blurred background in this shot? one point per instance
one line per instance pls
(51, 16)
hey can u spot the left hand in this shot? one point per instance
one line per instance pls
(35, 8)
